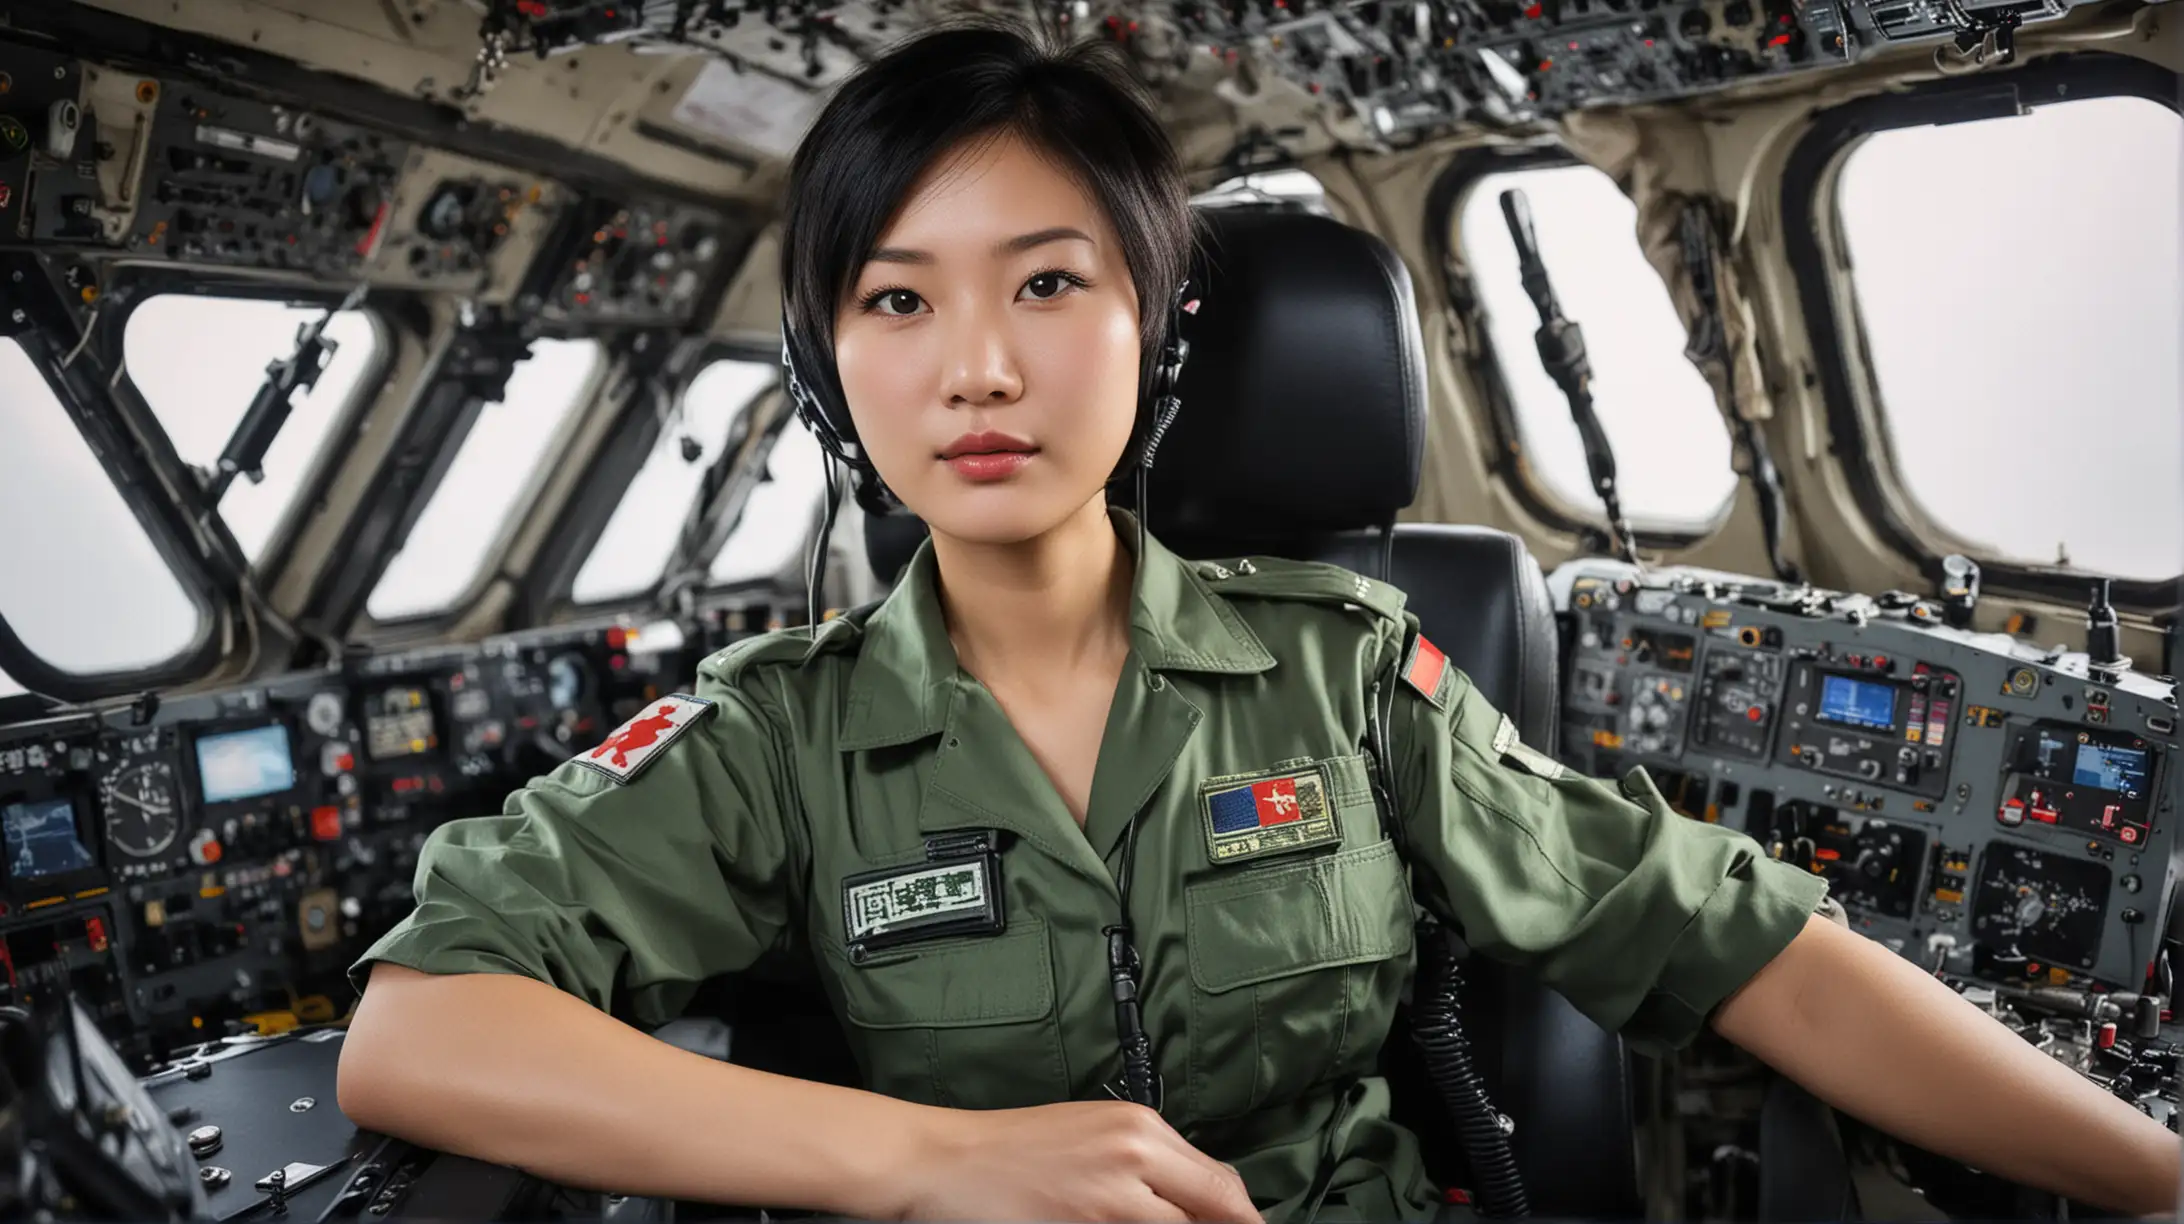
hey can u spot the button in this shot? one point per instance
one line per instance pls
(2132, 883)
(204, 1141)
(326, 823)
(2132, 917)
(205, 848)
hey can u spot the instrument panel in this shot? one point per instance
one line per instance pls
(1987, 809)
(105, 168)
(215, 862)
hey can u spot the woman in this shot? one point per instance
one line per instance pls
(1055, 747)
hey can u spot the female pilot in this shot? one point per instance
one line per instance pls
(1053, 741)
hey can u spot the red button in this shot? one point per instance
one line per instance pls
(616, 637)
(95, 930)
(1755, 713)
(345, 762)
(326, 823)
(2107, 1038)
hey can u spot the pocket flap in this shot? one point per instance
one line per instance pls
(999, 979)
(1262, 923)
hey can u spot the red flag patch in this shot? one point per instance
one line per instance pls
(645, 736)
(1426, 669)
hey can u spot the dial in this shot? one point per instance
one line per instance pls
(323, 714)
(140, 809)
(564, 681)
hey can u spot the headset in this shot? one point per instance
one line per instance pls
(821, 408)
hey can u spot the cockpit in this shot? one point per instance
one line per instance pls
(1779, 397)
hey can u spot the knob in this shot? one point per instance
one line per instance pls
(2030, 909)
(1869, 769)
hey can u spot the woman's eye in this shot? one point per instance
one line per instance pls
(896, 302)
(1047, 285)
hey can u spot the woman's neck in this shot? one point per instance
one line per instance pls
(1051, 605)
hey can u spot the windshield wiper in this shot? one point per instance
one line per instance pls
(268, 412)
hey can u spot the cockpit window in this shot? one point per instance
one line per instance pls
(198, 361)
(1671, 447)
(8, 686)
(633, 551)
(781, 515)
(2016, 279)
(84, 588)
(497, 463)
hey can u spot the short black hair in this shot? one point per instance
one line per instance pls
(1075, 101)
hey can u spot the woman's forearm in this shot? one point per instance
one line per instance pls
(510, 1070)
(1866, 1031)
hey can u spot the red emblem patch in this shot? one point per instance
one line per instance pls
(1426, 669)
(645, 736)
(1276, 801)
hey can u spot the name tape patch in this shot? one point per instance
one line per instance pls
(635, 743)
(1426, 669)
(1251, 815)
(924, 901)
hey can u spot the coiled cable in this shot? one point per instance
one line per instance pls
(1498, 1188)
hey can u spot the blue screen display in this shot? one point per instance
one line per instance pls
(1857, 703)
(2110, 768)
(245, 764)
(42, 840)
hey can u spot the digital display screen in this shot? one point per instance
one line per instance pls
(2108, 767)
(245, 764)
(1858, 703)
(42, 840)
(399, 723)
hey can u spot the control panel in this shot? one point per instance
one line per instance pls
(1988, 809)
(109, 169)
(1383, 71)
(215, 862)
(633, 263)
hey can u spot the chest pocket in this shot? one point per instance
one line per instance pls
(963, 1023)
(1295, 969)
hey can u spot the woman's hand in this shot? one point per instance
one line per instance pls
(1093, 1160)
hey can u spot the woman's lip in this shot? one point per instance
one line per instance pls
(984, 442)
(985, 466)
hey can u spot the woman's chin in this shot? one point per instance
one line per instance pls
(997, 513)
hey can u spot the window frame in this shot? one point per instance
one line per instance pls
(547, 593)
(1445, 201)
(613, 363)
(137, 458)
(348, 415)
(1846, 380)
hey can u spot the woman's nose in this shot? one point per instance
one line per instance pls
(978, 367)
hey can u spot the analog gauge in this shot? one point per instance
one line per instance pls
(324, 713)
(140, 809)
(564, 682)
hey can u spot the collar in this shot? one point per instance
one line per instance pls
(906, 669)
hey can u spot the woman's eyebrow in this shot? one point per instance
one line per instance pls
(1007, 246)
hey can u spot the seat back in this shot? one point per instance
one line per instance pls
(1301, 436)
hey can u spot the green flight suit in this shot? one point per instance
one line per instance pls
(1270, 977)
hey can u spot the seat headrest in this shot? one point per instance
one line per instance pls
(1304, 398)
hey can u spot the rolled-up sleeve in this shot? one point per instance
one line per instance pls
(625, 894)
(1642, 918)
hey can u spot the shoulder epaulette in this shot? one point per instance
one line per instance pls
(790, 646)
(1312, 581)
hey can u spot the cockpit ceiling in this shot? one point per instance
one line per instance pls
(711, 95)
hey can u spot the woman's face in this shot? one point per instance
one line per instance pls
(989, 348)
